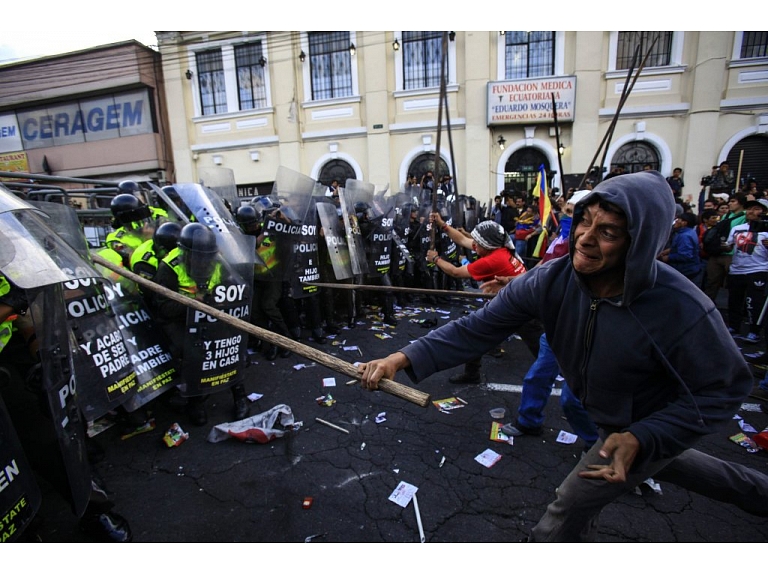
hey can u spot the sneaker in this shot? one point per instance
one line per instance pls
(518, 430)
(465, 378)
(759, 393)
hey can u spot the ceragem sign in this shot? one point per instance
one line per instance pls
(86, 120)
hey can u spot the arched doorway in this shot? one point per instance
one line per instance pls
(338, 170)
(522, 169)
(754, 166)
(632, 156)
(424, 163)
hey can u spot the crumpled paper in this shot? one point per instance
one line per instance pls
(255, 429)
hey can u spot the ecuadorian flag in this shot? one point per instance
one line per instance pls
(545, 209)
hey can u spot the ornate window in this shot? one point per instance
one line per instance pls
(338, 170)
(331, 65)
(628, 41)
(753, 45)
(424, 163)
(249, 64)
(529, 54)
(210, 79)
(422, 54)
(634, 156)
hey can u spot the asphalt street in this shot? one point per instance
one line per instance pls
(249, 492)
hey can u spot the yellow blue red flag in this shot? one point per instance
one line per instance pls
(545, 209)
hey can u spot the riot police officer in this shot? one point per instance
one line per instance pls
(192, 269)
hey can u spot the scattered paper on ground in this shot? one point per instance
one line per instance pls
(403, 494)
(329, 382)
(488, 458)
(565, 437)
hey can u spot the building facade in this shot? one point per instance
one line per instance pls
(98, 113)
(365, 105)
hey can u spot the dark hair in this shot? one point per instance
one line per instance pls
(688, 218)
(740, 197)
(708, 213)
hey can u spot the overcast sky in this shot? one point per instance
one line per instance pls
(60, 27)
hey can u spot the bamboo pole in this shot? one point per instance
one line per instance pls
(424, 291)
(392, 387)
(738, 173)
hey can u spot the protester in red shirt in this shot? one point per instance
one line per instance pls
(496, 258)
(496, 254)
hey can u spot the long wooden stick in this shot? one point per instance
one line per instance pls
(738, 173)
(392, 387)
(436, 171)
(425, 291)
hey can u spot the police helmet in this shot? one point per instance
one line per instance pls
(248, 218)
(265, 205)
(126, 208)
(198, 239)
(129, 187)
(362, 210)
(165, 238)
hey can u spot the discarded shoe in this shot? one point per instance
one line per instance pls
(465, 378)
(759, 393)
(108, 527)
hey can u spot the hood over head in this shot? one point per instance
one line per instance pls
(649, 207)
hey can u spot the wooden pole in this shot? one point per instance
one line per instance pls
(392, 387)
(557, 141)
(738, 173)
(424, 291)
(436, 171)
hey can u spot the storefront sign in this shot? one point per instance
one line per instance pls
(530, 101)
(10, 137)
(14, 162)
(87, 120)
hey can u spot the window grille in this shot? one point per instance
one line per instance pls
(529, 54)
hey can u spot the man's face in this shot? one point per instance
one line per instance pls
(519, 202)
(724, 168)
(754, 213)
(601, 242)
(676, 173)
(709, 205)
(711, 221)
(734, 205)
(722, 209)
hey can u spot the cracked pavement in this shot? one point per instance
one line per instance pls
(238, 492)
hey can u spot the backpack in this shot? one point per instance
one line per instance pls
(714, 238)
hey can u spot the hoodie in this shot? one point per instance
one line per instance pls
(656, 361)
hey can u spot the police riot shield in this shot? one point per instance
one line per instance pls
(146, 344)
(221, 181)
(215, 353)
(101, 357)
(32, 254)
(306, 264)
(20, 497)
(445, 245)
(62, 386)
(335, 238)
(355, 192)
(403, 203)
(63, 220)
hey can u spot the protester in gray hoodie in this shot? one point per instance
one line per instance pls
(649, 357)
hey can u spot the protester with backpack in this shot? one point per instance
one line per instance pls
(714, 244)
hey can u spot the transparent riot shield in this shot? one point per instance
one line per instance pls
(101, 358)
(32, 254)
(306, 264)
(20, 497)
(355, 192)
(63, 220)
(62, 387)
(215, 353)
(336, 239)
(221, 181)
(445, 245)
(147, 346)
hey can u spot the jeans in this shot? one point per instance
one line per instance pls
(573, 516)
(537, 386)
